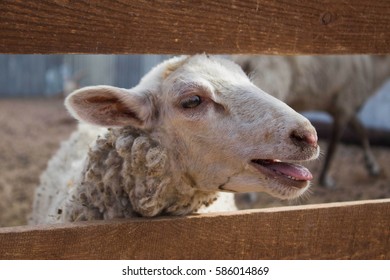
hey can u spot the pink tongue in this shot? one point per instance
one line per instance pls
(297, 171)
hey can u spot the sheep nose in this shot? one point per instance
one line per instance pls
(304, 137)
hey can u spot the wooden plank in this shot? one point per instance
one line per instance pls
(353, 230)
(171, 26)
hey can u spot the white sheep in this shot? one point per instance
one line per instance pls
(338, 85)
(193, 127)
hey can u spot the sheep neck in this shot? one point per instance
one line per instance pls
(127, 173)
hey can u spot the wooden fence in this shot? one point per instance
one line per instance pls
(354, 230)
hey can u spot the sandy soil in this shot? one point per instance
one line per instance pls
(31, 131)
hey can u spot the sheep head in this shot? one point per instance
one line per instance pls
(220, 131)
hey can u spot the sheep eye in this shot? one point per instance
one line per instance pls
(191, 102)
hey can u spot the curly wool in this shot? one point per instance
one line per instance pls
(125, 174)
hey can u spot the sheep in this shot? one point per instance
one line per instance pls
(338, 85)
(193, 127)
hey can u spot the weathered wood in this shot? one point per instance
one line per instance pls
(354, 230)
(171, 26)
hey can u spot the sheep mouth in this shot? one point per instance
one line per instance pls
(288, 174)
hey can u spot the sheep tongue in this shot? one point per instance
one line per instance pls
(297, 171)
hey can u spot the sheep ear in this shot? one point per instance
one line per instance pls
(110, 107)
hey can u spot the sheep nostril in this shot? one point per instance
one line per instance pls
(304, 138)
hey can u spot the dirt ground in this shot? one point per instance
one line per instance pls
(31, 131)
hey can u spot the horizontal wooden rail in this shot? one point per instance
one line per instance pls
(353, 230)
(171, 26)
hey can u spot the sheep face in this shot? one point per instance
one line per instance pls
(231, 135)
(220, 131)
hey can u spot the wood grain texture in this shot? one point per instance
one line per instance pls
(355, 230)
(171, 26)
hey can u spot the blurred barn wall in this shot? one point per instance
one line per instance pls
(24, 75)
(44, 75)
